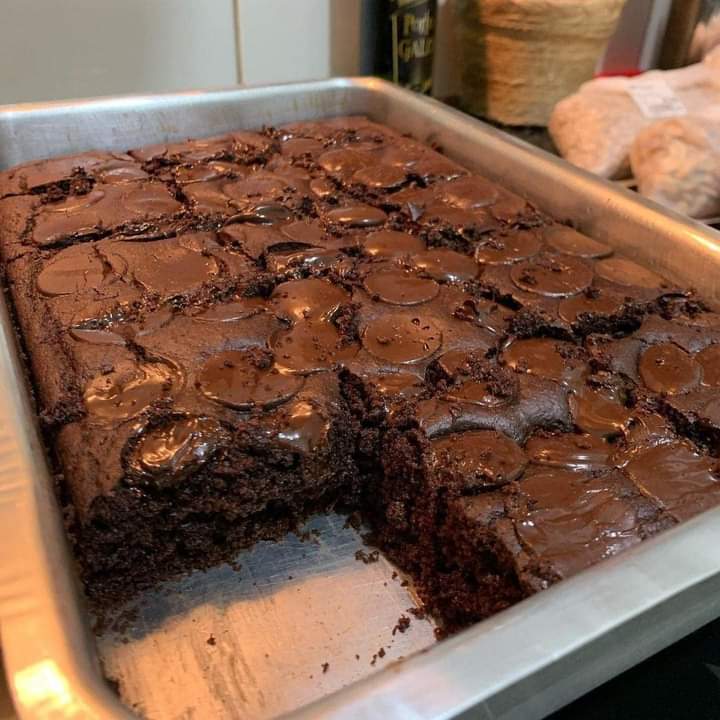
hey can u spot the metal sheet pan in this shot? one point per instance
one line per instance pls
(294, 605)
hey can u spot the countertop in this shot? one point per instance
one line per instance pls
(680, 683)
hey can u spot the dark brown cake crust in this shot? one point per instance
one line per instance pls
(227, 335)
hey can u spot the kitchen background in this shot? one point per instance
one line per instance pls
(101, 47)
(85, 48)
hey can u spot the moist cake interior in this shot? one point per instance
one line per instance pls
(227, 335)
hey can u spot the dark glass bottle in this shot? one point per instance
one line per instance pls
(398, 40)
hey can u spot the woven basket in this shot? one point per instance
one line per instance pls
(519, 57)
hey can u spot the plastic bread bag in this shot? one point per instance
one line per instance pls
(595, 127)
(706, 36)
(676, 162)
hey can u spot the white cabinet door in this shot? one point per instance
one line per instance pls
(53, 49)
(289, 40)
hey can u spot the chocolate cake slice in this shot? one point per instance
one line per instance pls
(187, 485)
(551, 524)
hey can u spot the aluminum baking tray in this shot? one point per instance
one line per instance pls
(252, 643)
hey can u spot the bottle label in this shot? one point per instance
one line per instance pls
(656, 98)
(413, 33)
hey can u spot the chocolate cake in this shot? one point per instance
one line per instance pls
(227, 335)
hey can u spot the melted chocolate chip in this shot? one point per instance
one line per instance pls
(485, 313)
(295, 147)
(119, 171)
(198, 242)
(508, 207)
(311, 346)
(241, 379)
(576, 519)
(677, 477)
(380, 176)
(177, 447)
(644, 430)
(446, 265)
(210, 171)
(599, 303)
(129, 389)
(545, 357)
(552, 275)
(74, 270)
(648, 429)
(150, 200)
(266, 214)
(402, 339)
(396, 385)
(473, 379)
(303, 426)
(175, 271)
(96, 336)
(153, 322)
(252, 240)
(305, 232)
(435, 166)
(322, 188)
(311, 298)
(75, 203)
(319, 259)
(479, 459)
(469, 192)
(667, 368)
(599, 411)
(507, 249)
(468, 222)
(400, 287)
(208, 198)
(570, 451)
(452, 363)
(389, 243)
(344, 162)
(357, 216)
(266, 186)
(239, 309)
(477, 392)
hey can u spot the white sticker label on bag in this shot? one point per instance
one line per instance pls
(656, 98)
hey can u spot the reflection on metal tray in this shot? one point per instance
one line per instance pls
(522, 663)
(297, 620)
